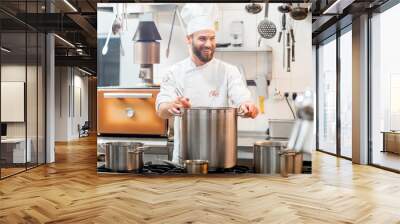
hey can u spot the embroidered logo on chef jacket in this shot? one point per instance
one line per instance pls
(166, 78)
(213, 93)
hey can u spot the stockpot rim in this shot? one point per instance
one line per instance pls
(271, 143)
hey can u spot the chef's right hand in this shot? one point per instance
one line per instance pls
(180, 102)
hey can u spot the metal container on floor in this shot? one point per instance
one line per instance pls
(267, 156)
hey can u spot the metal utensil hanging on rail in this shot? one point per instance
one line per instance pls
(266, 28)
(282, 36)
(298, 12)
(253, 8)
(293, 41)
(171, 31)
(286, 35)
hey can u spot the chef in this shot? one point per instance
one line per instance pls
(203, 80)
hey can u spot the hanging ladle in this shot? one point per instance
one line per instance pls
(285, 8)
(253, 8)
(298, 12)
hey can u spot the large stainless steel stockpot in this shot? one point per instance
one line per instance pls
(209, 134)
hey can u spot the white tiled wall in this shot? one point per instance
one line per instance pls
(300, 78)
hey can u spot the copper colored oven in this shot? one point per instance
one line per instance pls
(129, 111)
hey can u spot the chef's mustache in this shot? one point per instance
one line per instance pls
(207, 48)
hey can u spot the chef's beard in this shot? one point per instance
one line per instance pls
(204, 58)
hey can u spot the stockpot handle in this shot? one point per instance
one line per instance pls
(178, 115)
(140, 149)
(240, 112)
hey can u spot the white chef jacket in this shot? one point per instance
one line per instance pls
(214, 84)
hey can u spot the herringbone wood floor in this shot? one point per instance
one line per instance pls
(70, 191)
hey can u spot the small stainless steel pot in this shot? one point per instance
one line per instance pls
(196, 166)
(124, 156)
(135, 159)
(290, 162)
(267, 156)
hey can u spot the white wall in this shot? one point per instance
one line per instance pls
(69, 82)
(79, 117)
(299, 79)
(14, 73)
(17, 73)
(33, 126)
(61, 103)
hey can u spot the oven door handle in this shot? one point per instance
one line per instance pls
(128, 95)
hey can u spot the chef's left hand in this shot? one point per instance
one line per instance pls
(249, 109)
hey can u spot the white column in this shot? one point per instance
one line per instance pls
(50, 99)
(360, 90)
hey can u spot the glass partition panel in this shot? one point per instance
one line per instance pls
(13, 94)
(385, 84)
(31, 99)
(327, 97)
(346, 94)
(41, 98)
(22, 63)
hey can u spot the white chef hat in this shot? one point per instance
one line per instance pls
(199, 16)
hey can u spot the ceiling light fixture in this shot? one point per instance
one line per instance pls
(70, 5)
(84, 71)
(65, 41)
(337, 7)
(5, 50)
